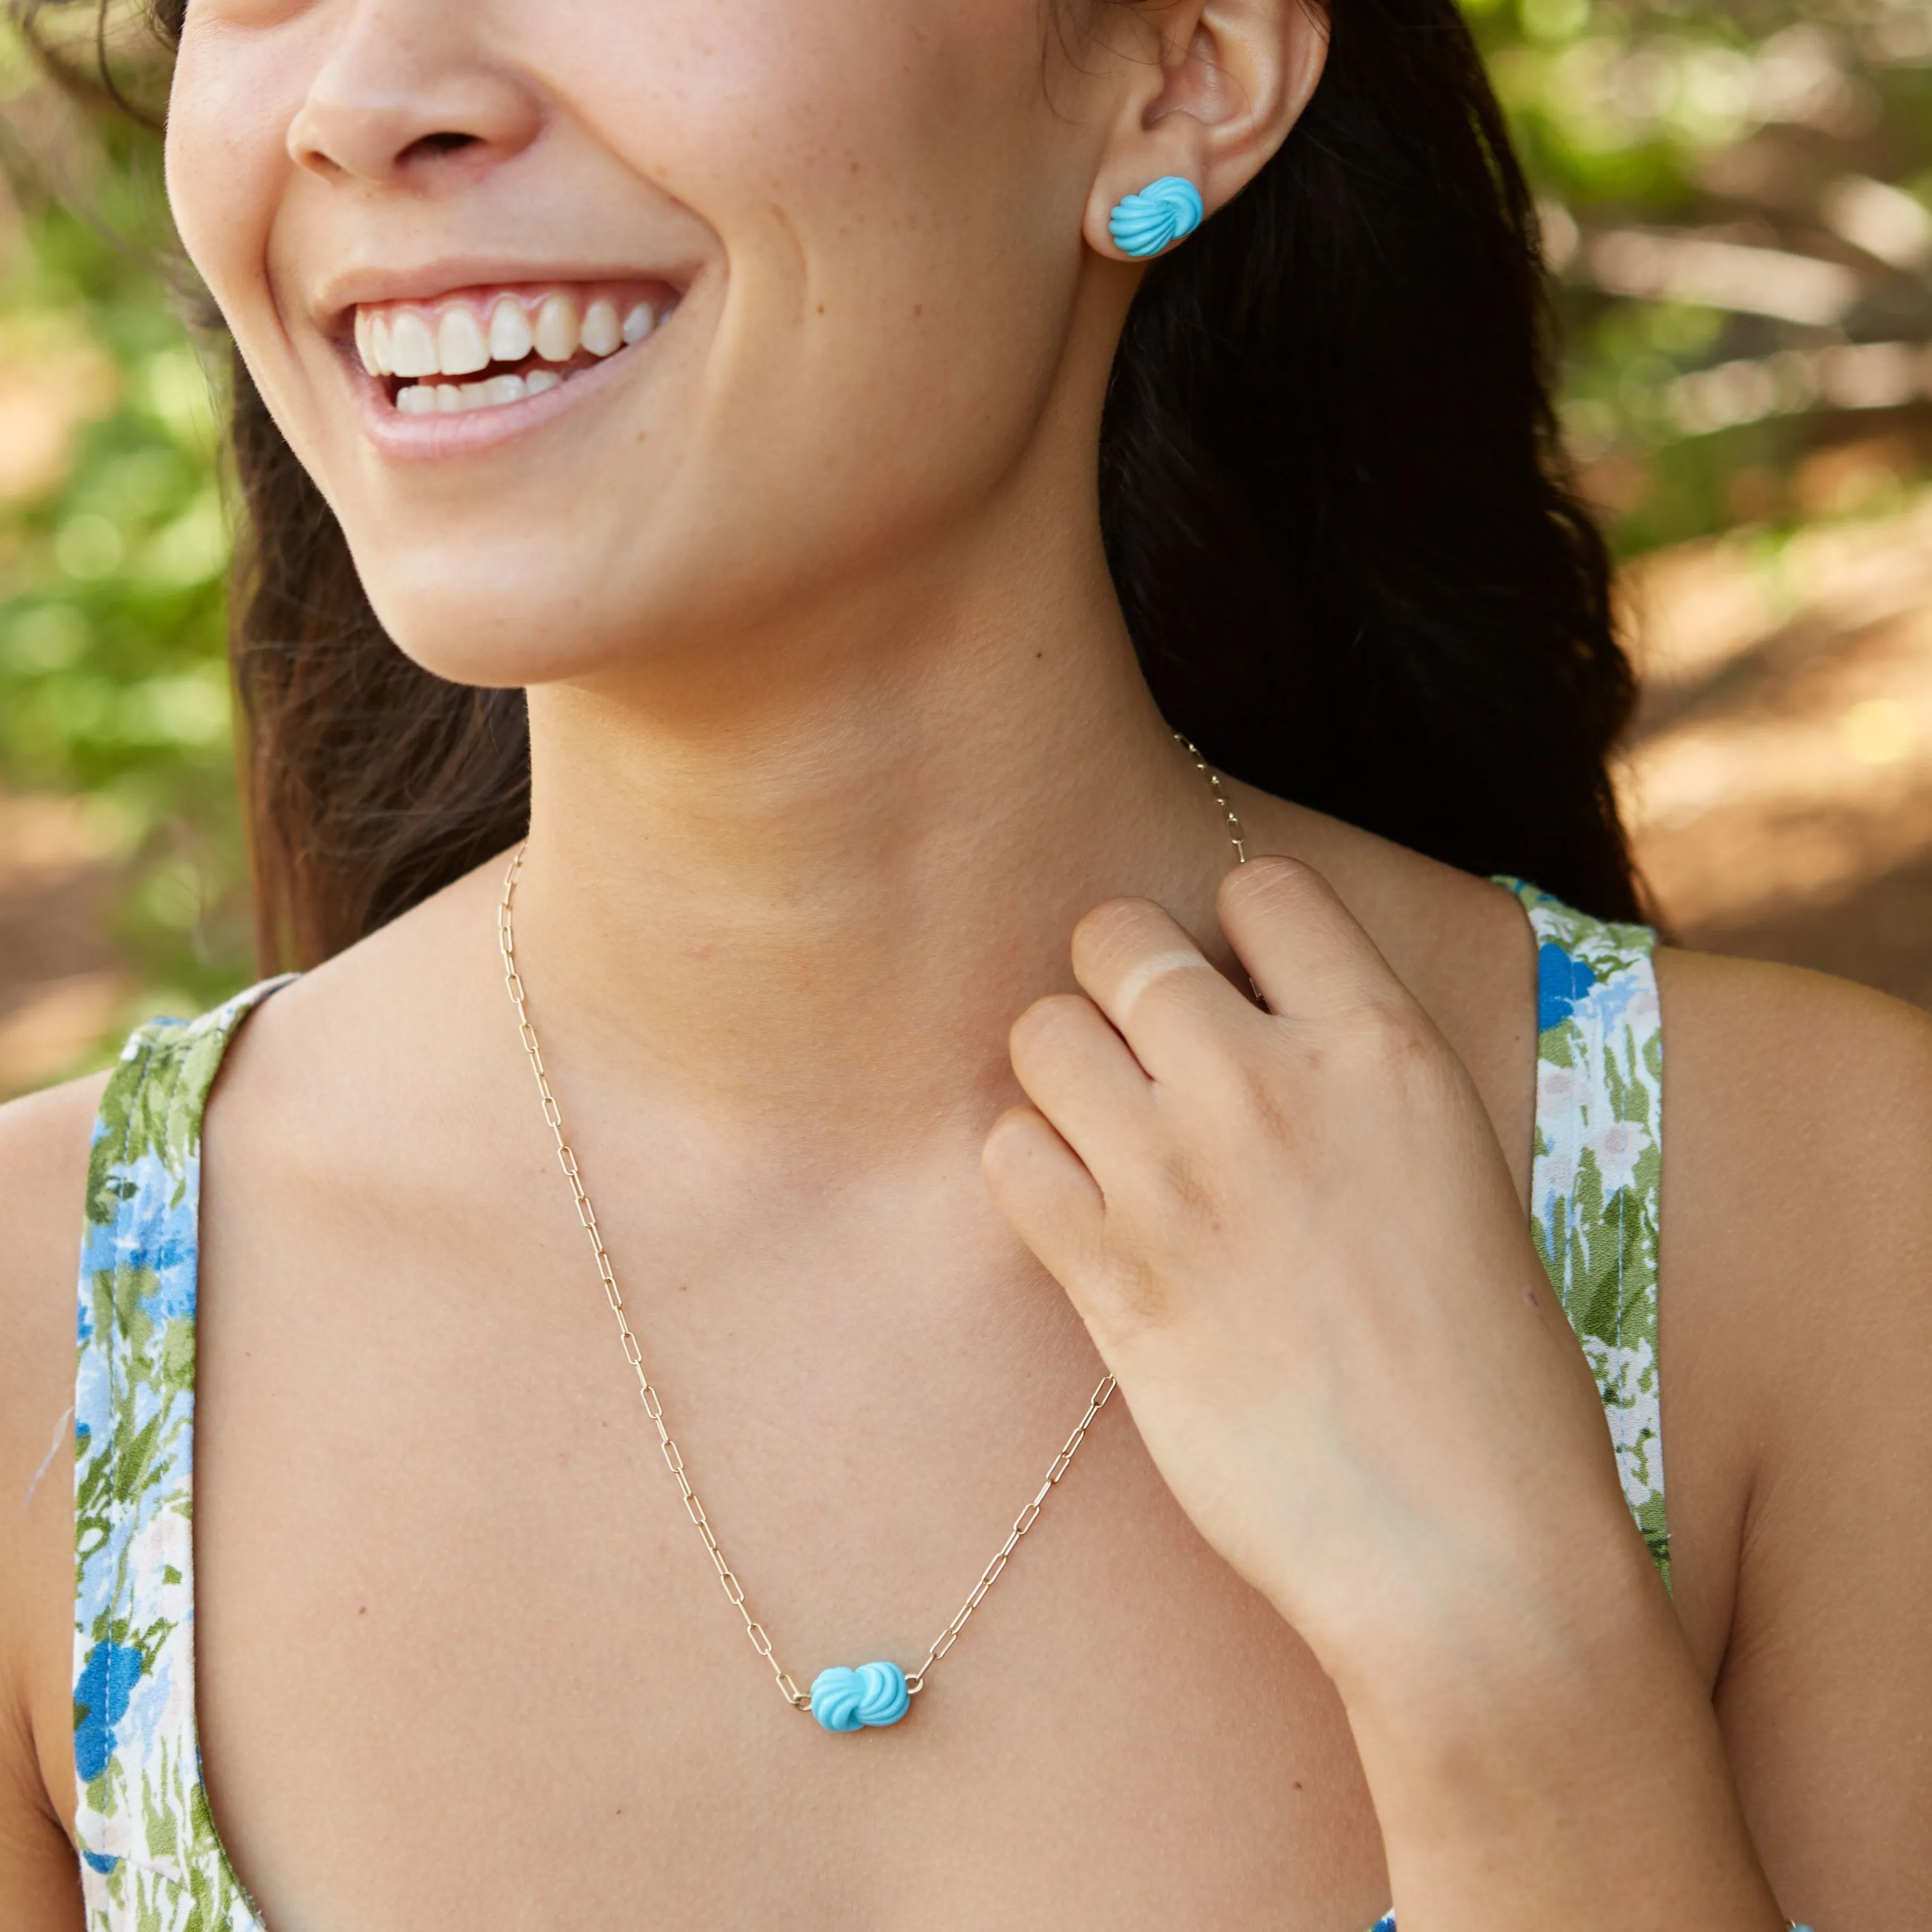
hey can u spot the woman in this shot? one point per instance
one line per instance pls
(735, 378)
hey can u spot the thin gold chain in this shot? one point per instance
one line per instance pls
(634, 1352)
(1236, 838)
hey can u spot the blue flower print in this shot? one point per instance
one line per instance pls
(100, 1694)
(1561, 980)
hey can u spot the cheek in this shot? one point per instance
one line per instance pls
(895, 208)
(228, 110)
(899, 208)
(892, 171)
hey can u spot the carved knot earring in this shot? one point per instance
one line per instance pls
(1160, 215)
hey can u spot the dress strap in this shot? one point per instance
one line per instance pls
(148, 1854)
(1598, 1163)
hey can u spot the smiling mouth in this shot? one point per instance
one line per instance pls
(481, 348)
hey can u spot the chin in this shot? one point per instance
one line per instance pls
(499, 627)
(523, 619)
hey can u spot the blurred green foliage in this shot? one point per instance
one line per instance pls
(114, 546)
(1743, 121)
(1786, 128)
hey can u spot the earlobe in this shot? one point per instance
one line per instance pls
(1165, 211)
(1227, 95)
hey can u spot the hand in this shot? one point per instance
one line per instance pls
(1293, 1238)
(1295, 1242)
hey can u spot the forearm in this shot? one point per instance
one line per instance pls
(1559, 1764)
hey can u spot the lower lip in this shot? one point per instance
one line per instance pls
(466, 432)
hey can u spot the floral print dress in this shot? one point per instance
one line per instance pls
(151, 1858)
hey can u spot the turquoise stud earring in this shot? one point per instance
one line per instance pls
(1156, 218)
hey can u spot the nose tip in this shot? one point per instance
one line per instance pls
(394, 99)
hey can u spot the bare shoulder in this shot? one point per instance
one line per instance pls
(1796, 1341)
(309, 1062)
(44, 1137)
(396, 998)
(1789, 1027)
(340, 1031)
(1796, 1252)
(1798, 1143)
(44, 1142)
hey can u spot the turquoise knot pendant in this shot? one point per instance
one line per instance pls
(849, 1700)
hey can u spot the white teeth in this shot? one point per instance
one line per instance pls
(423, 399)
(601, 336)
(510, 340)
(412, 347)
(499, 390)
(452, 341)
(460, 347)
(556, 329)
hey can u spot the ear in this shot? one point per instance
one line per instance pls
(1215, 88)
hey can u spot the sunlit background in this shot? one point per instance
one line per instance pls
(1737, 199)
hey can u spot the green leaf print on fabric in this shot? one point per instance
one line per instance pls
(151, 1860)
(1598, 1169)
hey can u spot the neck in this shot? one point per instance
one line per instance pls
(811, 891)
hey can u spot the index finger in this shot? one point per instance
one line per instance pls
(1308, 954)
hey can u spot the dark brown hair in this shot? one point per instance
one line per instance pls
(1333, 501)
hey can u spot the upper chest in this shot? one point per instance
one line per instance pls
(452, 1615)
(449, 1596)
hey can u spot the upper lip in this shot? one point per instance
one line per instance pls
(428, 281)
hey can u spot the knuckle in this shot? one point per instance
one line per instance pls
(1180, 994)
(1393, 1040)
(1136, 1294)
(1010, 1141)
(1271, 882)
(1127, 915)
(1274, 874)
(1049, 1023)
(1257, 1094)
(1238, 1072)
(1114, 931)
(1185, 1183)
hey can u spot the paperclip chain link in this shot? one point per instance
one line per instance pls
(634, 1352)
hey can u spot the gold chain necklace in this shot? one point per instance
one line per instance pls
(841, 1700)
